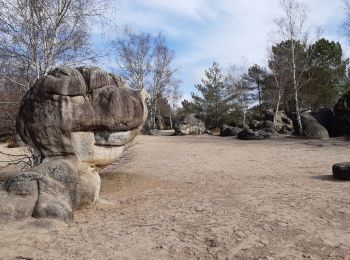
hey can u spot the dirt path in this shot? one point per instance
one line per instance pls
(205, 198)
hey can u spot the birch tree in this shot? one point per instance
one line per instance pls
(291, 30)
(146, 61)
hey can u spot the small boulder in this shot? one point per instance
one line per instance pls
(190, 125)
(226, 130)
(341, 171)
(249, 134)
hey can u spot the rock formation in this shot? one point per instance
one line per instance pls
(190, 125)
(283, 123)
(249, 134)
(226, 130)
(342, 113)
(76, 118)
(312, 128)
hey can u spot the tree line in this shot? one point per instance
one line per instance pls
(300, 74)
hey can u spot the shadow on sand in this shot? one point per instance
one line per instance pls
(325, 178)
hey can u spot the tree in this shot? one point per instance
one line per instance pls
(330, 79)
(37, 35)
(256, 76)
(173, 95)
(241, 90)
(134, 57)
(146, 62)
(214, 99)
(277, 79)
(292, 34)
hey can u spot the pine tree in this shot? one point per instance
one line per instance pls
(213, 100)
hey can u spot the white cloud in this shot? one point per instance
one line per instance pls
(202, 31)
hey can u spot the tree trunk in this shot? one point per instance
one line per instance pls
(295, 85)
(277, 107)
(259, 92)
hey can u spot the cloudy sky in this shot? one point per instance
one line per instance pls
(225, 31)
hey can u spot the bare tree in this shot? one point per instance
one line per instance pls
(291, 31)
(37, 35)
(134, 56)
(146, 62)
(279, 71)
(174, 95)
(162, 73)
(240, 89)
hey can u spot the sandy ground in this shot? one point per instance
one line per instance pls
(205, 197)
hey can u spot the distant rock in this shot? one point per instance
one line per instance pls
(156, 132)
(283, 123)
(242, 125)
(341, 171)
(342, 113)
(159, 122)
(249, 134)
(226, 130)
(312, 128)
(190, 125)
(254, 124)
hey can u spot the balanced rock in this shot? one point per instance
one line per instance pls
(190, 125)
(77, 118)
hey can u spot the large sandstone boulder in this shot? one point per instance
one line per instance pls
(77, 112)
(75, 118)
(190, 125)
(312, 128)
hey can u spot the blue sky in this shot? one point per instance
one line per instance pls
(225, 31)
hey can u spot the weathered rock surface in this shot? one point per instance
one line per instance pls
(283, 123)
(341, 171)
(312, 128)
(156, 132)
(190, 125)
(226, 130)
(342, 113)
(50, 190)
(249, 134)
(85, 99)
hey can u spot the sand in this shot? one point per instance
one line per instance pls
(204, 197)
